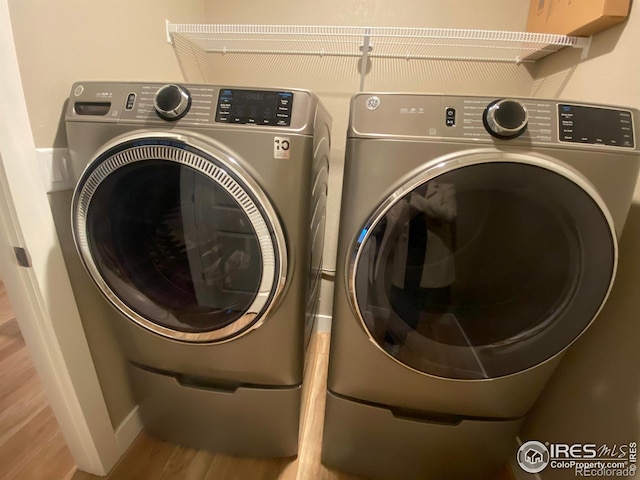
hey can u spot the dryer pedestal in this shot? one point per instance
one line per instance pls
(252, 422)
(376, 442)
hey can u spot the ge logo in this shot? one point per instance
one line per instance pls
(533, 457)
(373, 103)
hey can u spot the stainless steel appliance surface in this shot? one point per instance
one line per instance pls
(198, 214)
(478, 241)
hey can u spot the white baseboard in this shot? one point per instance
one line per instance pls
(128, 430)
(54, 168)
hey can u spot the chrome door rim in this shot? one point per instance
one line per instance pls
(141, 147)
(449, 163)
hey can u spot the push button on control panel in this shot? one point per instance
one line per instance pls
(450, 116)
(284, 109)
(131, 101)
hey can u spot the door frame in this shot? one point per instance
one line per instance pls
(41, 294)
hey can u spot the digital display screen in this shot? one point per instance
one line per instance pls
(259, 107)
(605, 126)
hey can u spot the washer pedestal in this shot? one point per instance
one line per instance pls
(252, 422)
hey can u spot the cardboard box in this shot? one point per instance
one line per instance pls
(575, 17)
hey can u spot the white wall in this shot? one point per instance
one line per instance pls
(488, 14)
(63, 41)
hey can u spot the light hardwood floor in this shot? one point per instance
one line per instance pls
(31, 445)
(32, 448)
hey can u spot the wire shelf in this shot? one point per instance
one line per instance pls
(195, 44)
(379, 42)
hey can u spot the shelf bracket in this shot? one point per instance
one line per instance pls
(365, 48)
(168, 31)
(584, 43)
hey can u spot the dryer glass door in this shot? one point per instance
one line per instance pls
(485, 270)
(177, 240)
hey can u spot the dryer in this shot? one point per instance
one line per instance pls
(198, 213)
(478, 240)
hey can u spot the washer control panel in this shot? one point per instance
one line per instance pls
(190, 104)
(260, 107)
(170, 103)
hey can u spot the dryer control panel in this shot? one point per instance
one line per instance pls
(596, 125)
(475, 113)
(493, 120)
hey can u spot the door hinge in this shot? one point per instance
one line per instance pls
(22, 257)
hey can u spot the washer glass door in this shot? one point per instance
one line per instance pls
(177, 239)
(483, 270)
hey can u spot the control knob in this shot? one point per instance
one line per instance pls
(172, 102)
(506, 118)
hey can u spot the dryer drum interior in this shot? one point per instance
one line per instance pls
(177, 240)
(485, 270)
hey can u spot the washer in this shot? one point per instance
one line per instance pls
(199, 213)
(478, 240)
